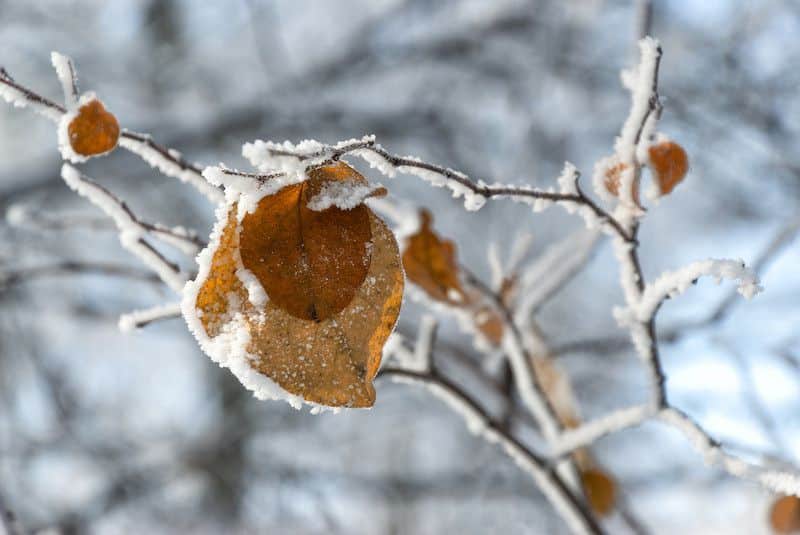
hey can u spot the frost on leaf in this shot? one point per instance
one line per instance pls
(310, 263)
(784, 517)
(93, 130)
(669, 163)
(318, 334)
(430, 262)
(601, 491)
(613, 178)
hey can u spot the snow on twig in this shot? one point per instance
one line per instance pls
(65, 70)
(780, 481)
(169, 162)
(275, 159)
(574, 512)
(141, 318)
(131, 230)
(22, 97)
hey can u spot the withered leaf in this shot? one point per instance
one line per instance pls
(310, 263)
(613, 178)
(329, 362)
(670, 165)
(601, 491)
(94, 130)
(430, 262)
(490, 324)
(784, 516)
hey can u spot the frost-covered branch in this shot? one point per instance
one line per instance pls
(132, 231)
(168, 161)
(565, 502)
(588, 433)
(780, 481)
(273, 158)
(141, 318)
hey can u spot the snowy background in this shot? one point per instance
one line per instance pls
(108, 433)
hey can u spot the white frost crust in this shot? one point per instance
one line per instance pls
(671, 284)
(248, 191)
(229, 348)
(260, 154)
(472, 201)
(136, 319)
(65, 71)
(346, 194)
(586, 434)
(169, 168)
(775, 480)
(641, 88)
(602, 168)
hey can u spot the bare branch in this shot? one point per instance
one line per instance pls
(574, 512)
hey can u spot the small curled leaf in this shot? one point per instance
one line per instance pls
(669, 163)
(430, 263)
(784, 516)
(613, 178)
(601, 491)
(94, 130)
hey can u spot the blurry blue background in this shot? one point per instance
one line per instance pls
(102, 432)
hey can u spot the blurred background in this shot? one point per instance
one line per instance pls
(102, 432)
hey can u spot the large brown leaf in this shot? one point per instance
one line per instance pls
(331, 361)
(310, 263)
(430, 262)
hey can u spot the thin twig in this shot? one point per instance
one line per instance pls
(577, 515)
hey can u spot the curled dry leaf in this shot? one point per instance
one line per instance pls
(601, 491)
(320, 332)
(93, 130)
(670, 165)
(430, 262)
(784, 516)
(613, 178)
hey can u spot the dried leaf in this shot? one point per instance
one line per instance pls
(430, 262)
(601, 491)
(94, 130)
(310, 263)
(613, 178)
(331, 361)
(490, 324)
(784, 517)
(670, 165)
